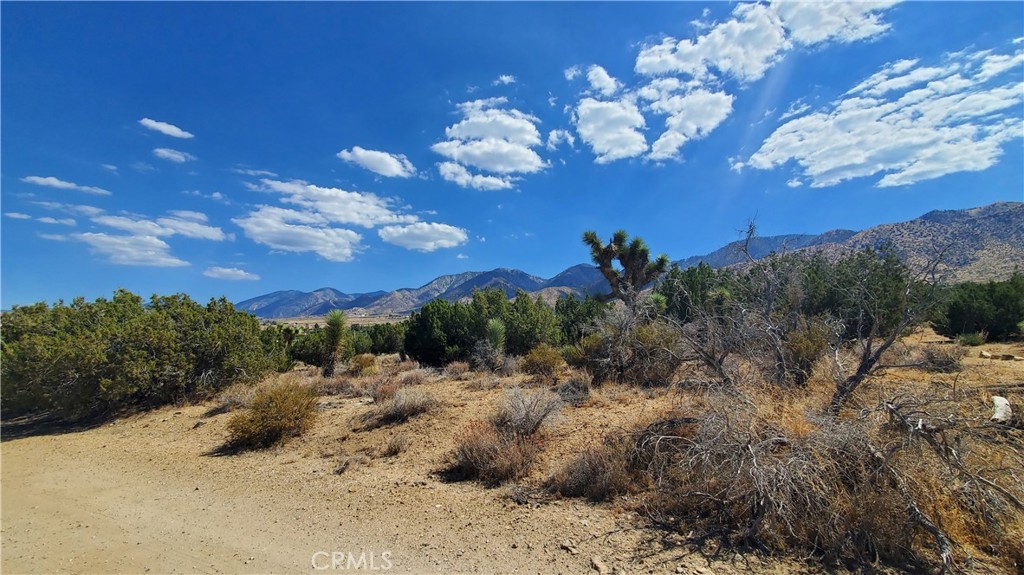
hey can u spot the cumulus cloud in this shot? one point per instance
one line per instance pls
(559, 137)
(602, 82)
(424, 237)
(337, 205)
(297, 232)
(907, 123)
(382, 163)
(504, 80)
(571, 73)
(131, 250)
(165, 128)
(51, 182)
(175, 156)
(611, 129)
(18, 215)
(691, 115)
(220, 273)
(458, 174)
(493, 138)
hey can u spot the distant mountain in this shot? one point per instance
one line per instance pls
(976, 244)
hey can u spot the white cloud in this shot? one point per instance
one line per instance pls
(189, 215)
(131, 250)
(215, 196)
(337, 205)
(504, 80)
(165, 128)
(78, 210)
(907, 123)
(294, 231)
(423, 237)
(691, 116)
(60, 221)
(461, 257)
(220, 273)
(571, 73)
(558, 137)
(251, 172)
(109, 167)
(795, 109)
(794, 183)
(164, 226)
(383, 163)
(175, 156)
(602, 82)
(18, 215)
(611, 129)
(458, 174)
(811, 23)
(51, 182)
(492, 138)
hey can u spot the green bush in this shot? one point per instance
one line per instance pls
(543, 361)
(996, 308)
(972, 339)
(90, 358)
(278, 412)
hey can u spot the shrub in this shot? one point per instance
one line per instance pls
(942, 359)
(416, 376)
(996, 308)
(456, 369)
(972, 339)
(382, 389)
(278, 412)
(492, 456)
(599, 474)
(524, 412)
(363, 364)
(406, 404)
(485, 357)
(339, 385)
(509, 366)
(574, 392)
(238, 396)
(395, 446)
(543, 362)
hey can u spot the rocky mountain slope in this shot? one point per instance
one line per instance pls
(975, 244)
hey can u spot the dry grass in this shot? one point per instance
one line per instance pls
(237, 396)
(456, 370)
(523, 412)
(404, 405)
(363, 364)
(417, 376)
(382, 389)
(598, 473)
(485, 453)
(396, 445)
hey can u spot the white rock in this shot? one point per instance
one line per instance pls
(1002, 412)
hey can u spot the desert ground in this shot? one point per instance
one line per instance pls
(146, 493)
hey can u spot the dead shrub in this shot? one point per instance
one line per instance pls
(485, 356)
(509, 366)
(575, 391)
(382, 389)
(492, 456)
(404, 405)
(543, 362)
(523, 412)
(599, 474)
(237, 396)
(456, 369)
(363, 364)
(942, 358)
(278, 412)
(417, 376)
(395, 446)
(339, 385)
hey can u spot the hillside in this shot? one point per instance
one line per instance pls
(976, 244)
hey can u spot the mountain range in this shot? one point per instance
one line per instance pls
(975, 244)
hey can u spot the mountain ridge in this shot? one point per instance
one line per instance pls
(977, 244)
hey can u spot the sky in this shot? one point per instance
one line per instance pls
(236, 149)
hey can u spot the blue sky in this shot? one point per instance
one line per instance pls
(241, 148)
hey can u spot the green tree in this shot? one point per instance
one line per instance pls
(528, 324)
(337, 342)
(576, 317)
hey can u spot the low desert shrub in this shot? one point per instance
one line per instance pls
(404, 405)
(395, 446)
(509, 366)
(417, 376)
(543, 362)
(238, 396)
(972, 339)
(382, 389)
(599, 474)
(942, 358)
(363, 364)
(339, 385)
(575, 391)
(485, 356)
(524, 412)
(278, 412)
(456, 369)
(491, 455)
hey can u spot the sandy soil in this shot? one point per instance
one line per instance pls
(143, 494)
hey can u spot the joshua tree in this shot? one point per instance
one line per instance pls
(338, 346)
(635, 259)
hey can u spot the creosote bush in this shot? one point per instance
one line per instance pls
(279, 411)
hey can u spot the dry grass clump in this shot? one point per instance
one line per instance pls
(278, 412)
(339, 385)
(456, 369)
(523, 412)
(575, 391)
(492, 456)
(395, 445)
(942, 358)
(404, 405)
(417, 376)
(363, 364)
(599, 473)
(915, 480)
(237, 396)
(504, 447)
(382, 389)
(543, 362)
